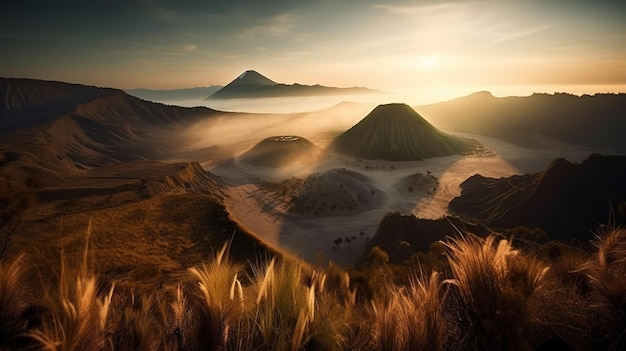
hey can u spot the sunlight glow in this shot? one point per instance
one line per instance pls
(427, 62)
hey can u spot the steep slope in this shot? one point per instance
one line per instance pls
(25, 102)
(61, 129)
(251, 84)
(174, 95)
(396, 132)
(566, 200)
(596, 121)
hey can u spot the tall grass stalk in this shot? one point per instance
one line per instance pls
(79, 312)
(219, 308)
(13, 299)
(607, 268)
(285, 306)
(606, 271)
(135, 321)
(412, 317)
(495, 284)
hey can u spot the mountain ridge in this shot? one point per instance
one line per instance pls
(251, 84)
(64, 129)
(588, 120)
(566, 200)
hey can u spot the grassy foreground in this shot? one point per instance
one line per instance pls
(486, 295)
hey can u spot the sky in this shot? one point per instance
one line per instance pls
(387, 45)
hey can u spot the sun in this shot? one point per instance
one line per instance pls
(427, 62)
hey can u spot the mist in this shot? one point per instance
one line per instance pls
(238, 132)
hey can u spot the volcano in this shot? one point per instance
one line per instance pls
(396, 132)
(252, 84)
(280, 151)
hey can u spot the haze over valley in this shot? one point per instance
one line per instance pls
(426, 175)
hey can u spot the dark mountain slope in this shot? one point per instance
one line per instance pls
(62, 129)
(596, 121)
(396, 132)
(24, 102)
(401, 235)
(566, 200)
(173, 95)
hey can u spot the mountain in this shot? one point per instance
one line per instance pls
(402, 235)
(251, 84)
(595, 121)
(58, 129)
(566, 200)
(87, 154)
(280, 151)
(396, 132)
(174, 95)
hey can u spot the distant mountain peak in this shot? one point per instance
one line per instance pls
(482, 94)
(252, 77)
(252, 84)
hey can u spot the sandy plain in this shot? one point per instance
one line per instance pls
(266, 213)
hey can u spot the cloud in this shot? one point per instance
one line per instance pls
(504, 37)
(166, 15)
(189, 47)
(276, 26)
(417, 10)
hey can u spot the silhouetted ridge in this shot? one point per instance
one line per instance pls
(30, 101)
(592, 120)
(396, 132)
(566, 200)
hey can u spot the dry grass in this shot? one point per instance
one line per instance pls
(14, 301)
(142, 241)
(413, 317)
(606, 271)
(497, 297)
(79, 311)
(495, 284)
(607, 268)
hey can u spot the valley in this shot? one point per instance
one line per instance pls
(291, 188)
(343, 204)
(265, 212)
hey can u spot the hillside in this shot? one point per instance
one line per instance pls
(63, 129)
(251, 84)
(595, 121)
(395, 132)
(173, 95)
(87, 153)
(566, 200)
